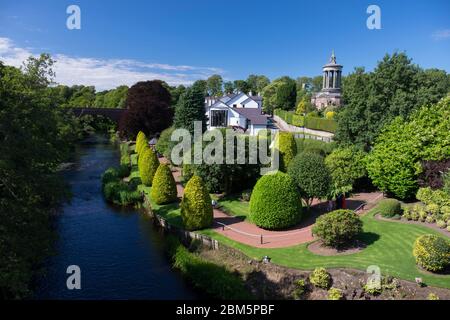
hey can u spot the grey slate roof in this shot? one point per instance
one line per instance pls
(253, 114)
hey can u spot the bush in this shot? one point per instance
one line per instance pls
(448, 226)
(300, 289)
(432, 252)
(196, 208)
(148, 164)
(109, 175)
(310, 174)
(320, 124)
(164, 188)
(441, 224)
(275, 202)
(287, 149)
(141, 141)
(338, 227)
(335, 294)
(329, 115)
(407, 213)
(432, 296)
(118, 192)
(425, 195)
(389, 208)
(320, 278)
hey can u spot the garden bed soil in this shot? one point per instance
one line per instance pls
(318, 248)
(270, 281)
(419, 223)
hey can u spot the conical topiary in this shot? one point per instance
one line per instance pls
(196, 208)
(164, 188)
(287, 148)
(148, 164)
(141, 141)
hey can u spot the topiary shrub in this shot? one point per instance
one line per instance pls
(338, 227)
(433, 209)
(335, 294)
(275, 202)
(441, 224)
(320, 278)
(432, 252)
(287, 149)
(148, 164)
(389, 208)
(164, 188)
(432, 296)
(141, 141)
(196, 208)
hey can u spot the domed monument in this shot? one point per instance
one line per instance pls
(330, 95)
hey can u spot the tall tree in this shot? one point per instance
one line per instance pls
(149, 110)
(214, 85)
(241, 86)
(228, 87)
(190, 108)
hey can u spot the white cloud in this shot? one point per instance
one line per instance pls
(441, 34)
(106, 73)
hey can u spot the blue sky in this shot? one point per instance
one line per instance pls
(181, 41)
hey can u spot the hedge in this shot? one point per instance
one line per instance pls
(164, 188)
(275, 202)
(196, 208)
(315, 123)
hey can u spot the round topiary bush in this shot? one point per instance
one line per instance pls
(287, 149)
(320, 278)
(389, 208)
(148, 164)
(164, 188)
(338, 227)
(196, 208)
(432, 252)
(275, 202)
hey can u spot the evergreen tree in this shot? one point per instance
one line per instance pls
(190, 108)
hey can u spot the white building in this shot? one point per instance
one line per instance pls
(239, 111)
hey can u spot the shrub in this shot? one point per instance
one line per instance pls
(338, 227)
(446, 182)
(335, 294)
(407, 213)
(119, 192)
(300, 289)
(373, 288)
(429, 219)
(329, 115)
(310, 174)
(432, 209)
(389, 208)
(275, 202)
(109, 175)
(287, 149)
(320, 278)
(315, 123)
(141, 141)
(164, 188)
(432, 252)
(441, 224)
(196, 208)
(148, 164)
(448, 226)
(432, 296)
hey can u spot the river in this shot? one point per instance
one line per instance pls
(119, 251)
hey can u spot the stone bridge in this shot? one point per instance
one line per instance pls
(111, 113)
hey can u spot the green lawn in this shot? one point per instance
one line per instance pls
(389, 246)
(235, 207)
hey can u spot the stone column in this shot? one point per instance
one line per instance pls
(324, 79)
(335, 79)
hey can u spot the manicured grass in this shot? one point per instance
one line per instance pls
(235, 207)
(389, 246)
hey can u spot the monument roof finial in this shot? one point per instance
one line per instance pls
(333, 57)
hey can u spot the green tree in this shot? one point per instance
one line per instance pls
(190, 108)
(257, 83)
(311, 176)
(241, 86)
(394, 163)
(228, 87)
(164, 188)
(214, 85)
(287, 149)
(196, 208)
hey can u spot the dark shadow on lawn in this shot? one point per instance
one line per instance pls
(369, 238)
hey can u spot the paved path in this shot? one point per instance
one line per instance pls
(290, 128)
(250, 234)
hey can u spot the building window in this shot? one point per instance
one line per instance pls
(234, 105)
(219, 118)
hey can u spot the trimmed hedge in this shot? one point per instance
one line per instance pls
(275, 202)
(148, 164)
(432, 252)
(338, 227)
(164, 188)
(310, 122)
(287, 149)
(196, 208)
(389, 208)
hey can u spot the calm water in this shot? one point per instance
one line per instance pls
(120, 253)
